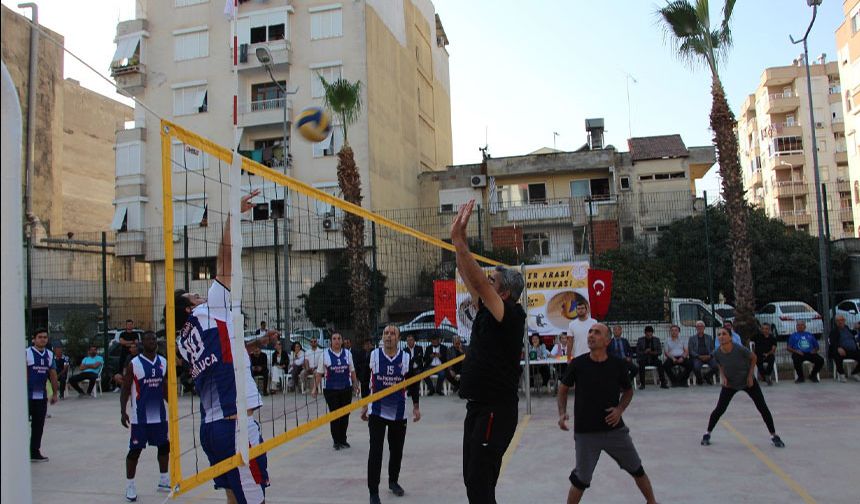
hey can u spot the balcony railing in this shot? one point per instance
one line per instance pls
(784, 94)
(263, 105)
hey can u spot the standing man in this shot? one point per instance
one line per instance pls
(701, 349)
(455, 370)
(340, 382)
(844, 346)
(736, 374)
(62, 363)
(127, 340)
(416, 355)
(765, 353)
(602, 392)
(620, 348)
(491, 370)
(579, 327)
(40, 367)
(648, 350)
(147, 371)
(90, 369)
(388, 367)
(436, 355)
(361, 361)
(804, 347)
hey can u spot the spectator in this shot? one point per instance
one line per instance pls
(280, 362)
(40, 368)
(619, 348)
(340, 382)
(127, 339)
(90, 369)
(578, 329)
(260, 367)
(262, 330)
(560, 348)
(416, 355)
(436, 355)
(843, 345)
(361, 359)
(62, 363)
(804, 348)
(736, 338)
(298, 364)
(537, 351)
(312, 357)
(648, 350)
(454, 371)
(677, 362)
(701, 348)
(765, 351)
(347, 344)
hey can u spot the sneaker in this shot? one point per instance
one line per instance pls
(163, 485)
(706, 440)
(799, 380)
(769, 381)
(374, 499)
(130, 492)
(814, 379)
(337, 447)
(38, 457)
(663, 385)
(641, 386)
(344, 445)
(841, 379)
(777, 442)
(396, 489)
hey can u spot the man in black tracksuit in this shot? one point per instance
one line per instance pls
(491, 370)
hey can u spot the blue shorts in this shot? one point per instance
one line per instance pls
(153, 434)
(248, 483)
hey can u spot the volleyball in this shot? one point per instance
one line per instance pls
(314, 124)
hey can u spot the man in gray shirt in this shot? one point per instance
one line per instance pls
(736, 373)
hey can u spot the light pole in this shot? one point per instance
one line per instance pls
(701, 204)
(822, 235)
(264, 56)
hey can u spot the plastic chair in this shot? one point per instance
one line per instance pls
(845, 364)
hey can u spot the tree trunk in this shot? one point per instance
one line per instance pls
(353, 231)
(722, 124)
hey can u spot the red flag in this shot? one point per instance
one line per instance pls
(445, 301)
(599, 292)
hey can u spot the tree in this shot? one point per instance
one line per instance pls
(330, 301)
(343, 98)
(688, 28)
(78, 330)
(639, 283)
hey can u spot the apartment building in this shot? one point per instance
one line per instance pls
(775, 142)
(543, 204)
(848, 59)
(195, 63)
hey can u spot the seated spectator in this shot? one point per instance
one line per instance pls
(537, 351)
(736, 338)
(843, 345)
(435, 354)
(701, 349)
(455, 351)
(313, 357)
(560, 348)
(260, 367)
(764, 345)
(280, 362)
(619, 347)
(648, 350)
(298, 364)
(90, 368)
(416, 355)
(677, 358)
(804, 348)
(63, 365)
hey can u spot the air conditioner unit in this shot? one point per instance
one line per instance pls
(330, 224)
(243, 53)
(478, 181)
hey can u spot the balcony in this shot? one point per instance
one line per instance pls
(538, 212)
(247, 59)
(130, 243)
(788, 188)
(846, 214)
(787, 129)
(838, 125)
(126, 66)
(841, 157)
(780, 103)
(788, 159)
(755, 179)
(264, 112)
(843, 185)
(834, 98)
(779, 76)
(795, 217)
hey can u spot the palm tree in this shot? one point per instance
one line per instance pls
(687, 24)
(343, 98)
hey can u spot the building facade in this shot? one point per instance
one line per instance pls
(848, 58)
(775, 142)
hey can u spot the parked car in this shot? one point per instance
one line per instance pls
(423, 335)
(850, 309)
(304, 336)
(782, 316)
(726, 311)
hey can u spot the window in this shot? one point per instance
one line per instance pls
(512, 195)
(324, 209)
(189, 212)
(580, 240)
(267, 27)
(185, 157)
(580, 188)
(190, 100)
(537, 193)
(329, 73)
(186, 3)
(597, 188)
(783, 145)
(203, 268)
(625, 183)
(276, 206)
(267, 96)
(331, 145)
(627, 234)
(190, 44)
(127, 52)
(855, 22)
(446, 208)
(536, 244)
(260, 212)
(128, 160)
(120, 218)
(326, 22)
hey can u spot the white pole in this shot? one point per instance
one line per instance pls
(15, 468)
(238, 338)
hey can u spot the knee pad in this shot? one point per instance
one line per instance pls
(576, 482)
(638, 473)
(134, 453)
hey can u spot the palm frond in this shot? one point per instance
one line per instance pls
(343, 98)
(725, 31)
(679, 19)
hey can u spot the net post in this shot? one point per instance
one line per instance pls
(524, 301)
(237, 346)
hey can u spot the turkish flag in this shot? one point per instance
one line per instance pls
(599, 292)
(445, 301)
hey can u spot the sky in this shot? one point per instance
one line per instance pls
(521, 71)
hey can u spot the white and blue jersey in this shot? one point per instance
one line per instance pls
(384, 373)
(39, 366)
(204, 342)
(147, 390)
(337, 369)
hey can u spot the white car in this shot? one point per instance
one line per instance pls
(850, 309)
(782, 317)
(726, 311)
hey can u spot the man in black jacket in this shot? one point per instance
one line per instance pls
(619, 348)
(843, 345)
(648, 351)
(436, 354)
(361, 361)
(416, 355)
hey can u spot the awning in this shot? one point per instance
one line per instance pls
(125, 48)
(119, 216)
(200, 97)
(196, 211)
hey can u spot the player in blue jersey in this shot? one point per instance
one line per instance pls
(40, 367)
(205, 326)
(340, 383)
(145, 383)
(388, 366)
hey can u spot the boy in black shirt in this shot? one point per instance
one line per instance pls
(602, 392)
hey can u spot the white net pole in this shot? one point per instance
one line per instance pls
(238, 330)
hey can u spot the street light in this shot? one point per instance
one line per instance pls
(701, 205)
(822, 245)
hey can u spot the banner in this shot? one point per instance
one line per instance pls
(599, 292)
(445, 302)
(553, 293)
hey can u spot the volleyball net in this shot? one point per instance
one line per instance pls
(292, 269)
